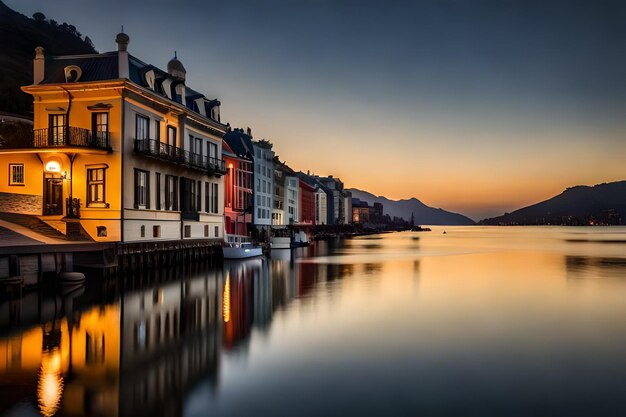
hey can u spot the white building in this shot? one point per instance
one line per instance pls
(321, 207)
(263, 183)
(292, 198)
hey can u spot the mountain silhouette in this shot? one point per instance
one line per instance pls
(404, 208)
(579, 205)
(20, 36)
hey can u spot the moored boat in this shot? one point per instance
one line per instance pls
(242, 251)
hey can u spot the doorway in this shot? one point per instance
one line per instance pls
(53, 196)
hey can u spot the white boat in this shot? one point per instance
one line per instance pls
(242, 251)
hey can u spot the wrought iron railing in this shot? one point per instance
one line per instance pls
(165, 152)
(70, 136)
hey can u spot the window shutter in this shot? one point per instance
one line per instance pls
(136, 203)
(175, 202)
(158, 191)
(147, 190)
(199, 196)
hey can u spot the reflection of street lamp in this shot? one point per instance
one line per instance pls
(50, 384)
(226, 300)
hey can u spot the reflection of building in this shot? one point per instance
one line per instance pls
(131, 358)
(246, 299)
(121, 151)
(147, 347)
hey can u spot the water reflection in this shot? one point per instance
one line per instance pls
(492, 331)
(579, 267)
(134, 346)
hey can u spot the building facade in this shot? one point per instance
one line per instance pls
(237, 195)
(278, 211)
(334, 187)
(306, 205)
(263, 183)
(292, 199)
(121, 151)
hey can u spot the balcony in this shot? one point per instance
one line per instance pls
(168, 153)
(70, 137)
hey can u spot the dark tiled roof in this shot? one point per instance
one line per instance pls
(94, 67)
(240, 143)
(101, 67)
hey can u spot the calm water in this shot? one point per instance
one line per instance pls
(477, 321)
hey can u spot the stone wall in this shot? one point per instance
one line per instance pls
(21, 203)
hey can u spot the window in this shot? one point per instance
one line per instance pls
(192, 190)
(102, 231)
(217, 231)
(187, 231)
(100, 127)
(171, 192)
(57, 129)
(197, 145)
(207, 197)
(142, 189)
(199, 196)
(212, 150)
(94, 348)
(214, 198)
(206, 230)
(171, 135)
(156, 231)
(158, 191)
(16, 174)
(95, 187)
(142, 129)
(157, 130)
(142, 231)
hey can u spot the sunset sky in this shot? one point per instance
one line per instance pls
(478, 107)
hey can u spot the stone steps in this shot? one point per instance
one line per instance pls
(37, 225)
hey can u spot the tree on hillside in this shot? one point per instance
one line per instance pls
(16, 135)
(89, 42)
(39, 17)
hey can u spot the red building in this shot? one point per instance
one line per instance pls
(237, 193)
(307, 203)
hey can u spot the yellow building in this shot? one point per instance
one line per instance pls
(121, 151)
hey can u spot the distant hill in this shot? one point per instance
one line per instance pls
(580, 205)
(20, 36)
(403, 208)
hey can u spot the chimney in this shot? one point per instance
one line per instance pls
(39, 64)
(122, 41)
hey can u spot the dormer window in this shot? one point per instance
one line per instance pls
(149, 77)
